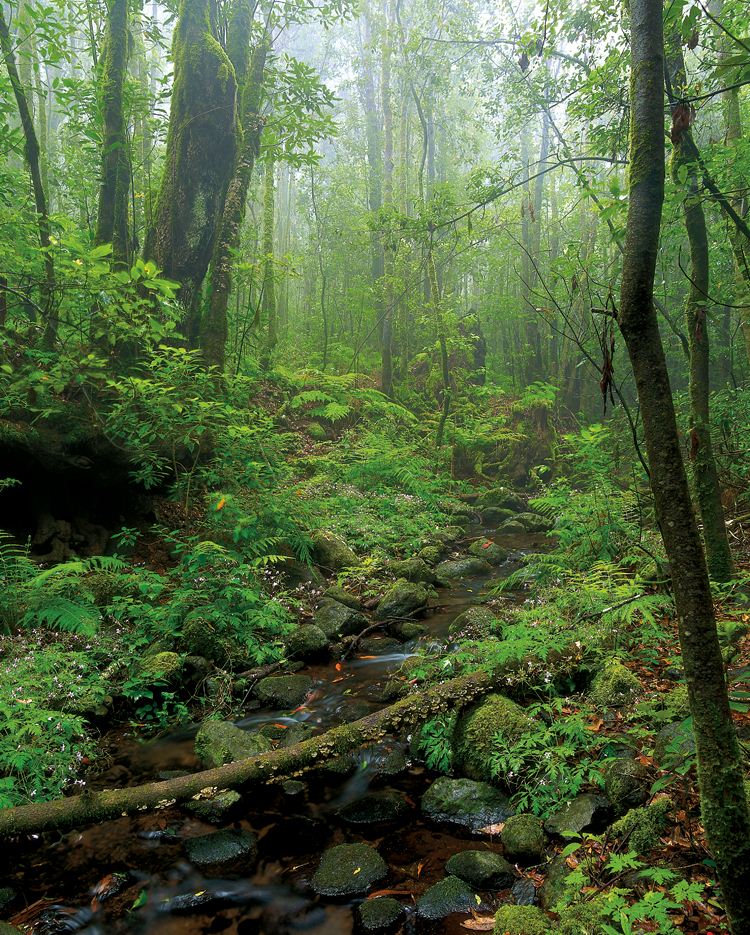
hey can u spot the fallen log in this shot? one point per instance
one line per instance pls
(91, 807)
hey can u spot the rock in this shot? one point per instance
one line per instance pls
(296, 572)
(511, 527)
(388, 762)
(429, 554)
(494, 516)
(413, 569)
(216, 808)
(641, 828)
(523, 892)
(614, 686)
(626, 784)
(523, 839)
(199, 638)
(467, 566)
(463, 802)
(482, 869)
(337, 593)
(533, 522)
(554, 888)
(674, 742)
(162, 667)
(378, 645)
(220, 742)
(348, 870)
(445, 897)
(586, 812)
(448, 535)
(488, 551)
(222, 851)
(307, 642)
(293, 835)
(405, 631)
(380, 914)
(373, 808)
(404, 599)
(283, 691)
(331, 552)
(336, 619)
(474, 623)
(474, 739)
(293, 787)
(502, 497)
(521, 920)
(317, 432)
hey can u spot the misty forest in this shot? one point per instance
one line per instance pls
(374, 467)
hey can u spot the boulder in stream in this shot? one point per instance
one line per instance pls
(466, 566)
(337, 593)
(215, 809)
(413, 569)
(374, 808)
(476, 730)
(404, 599)
(307, 642)
(534, 522)
(336, 619)
(474, 623)
(503, 498)
(482, 869)
(283, 691)
(494, 516)
(223, 852)
(380, 914)
(446, 897)
(523, 838)
(488, 551)
(220, 742)
(511, 527)
(331, 552)
(463, 802)
(348, 870)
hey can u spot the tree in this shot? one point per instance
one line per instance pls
(724, 807)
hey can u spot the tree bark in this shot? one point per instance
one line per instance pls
(269, 273)
(386, 346)
(724, 807)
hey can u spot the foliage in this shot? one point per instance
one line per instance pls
(435, 737)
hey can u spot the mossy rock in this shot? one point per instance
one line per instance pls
(307, 642)
(474, 623)
(336, 619)
(614, 686)
(523, 838)
(584, 918)
(348, 870)
(476, 729)
(482, 869)
(104, 586)
(220, 742)
(533, 522)
(494, 516)
(404, 599)
(283, 691)
(446, 897)
(405, 631)
(374, 808)
(488, 551)
(467, 566)
(331, 552)
(223, 852)
(465, 803)
(413, 569)
(316, 431)
(521, 920)
(199, 638)
(448, 535)
(554, 890)
(429, 554)
(586, 812)
(674, 742)
(162, 667)
(642, 827)
(215, 809)
(337, 593)
(626, 784)
(503, 498)
(380, 914)
(511, 527)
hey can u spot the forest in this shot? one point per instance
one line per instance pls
(374, 467)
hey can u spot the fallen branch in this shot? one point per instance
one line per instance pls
(90, 807)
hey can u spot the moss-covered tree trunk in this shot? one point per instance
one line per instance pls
(199, 158)
(269, 272)
(386, 342)
(32, 156)
(724, 807)
(215, 324)
(705, 475)
(112, 213)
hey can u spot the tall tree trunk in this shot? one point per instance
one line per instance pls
(386, 347)
(215, 327)
(724, 807)
(112, 215)
(705, 475)
(269, 273)
(31, 153)
(199, 155)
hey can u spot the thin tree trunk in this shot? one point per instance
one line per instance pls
(724, 807)
(269, 273)
(386, 348)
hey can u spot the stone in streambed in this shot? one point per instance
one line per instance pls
(476, 730)
(494, 516)
(511, 527)
(502, 498)
(331, 552)
(463, 802)
(482, 869)
(283, 691)
(534, 522)
(336, 619)
(374, 808)
(521, 920)
(523, 838)
(380, 914)
(223, 852)
(488, 551)
(404, 599)
(446, 897)
(467, 566)
(474, 623)
(429, 554)
(413, 569)
(348, 870)
(293, 835)
(216, 808)
(404, 631)
(523, 892)
(337, 593)
(586, 812)
(307, 642)
(220, 742)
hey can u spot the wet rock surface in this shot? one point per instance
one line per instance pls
(463, 802)
(446, 897)
(348, 870)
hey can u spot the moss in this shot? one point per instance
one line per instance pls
(476, 730)
(581, 919)
(521, 920)
(523, 838)
(163, 666)
(641, 828)
(614, 686)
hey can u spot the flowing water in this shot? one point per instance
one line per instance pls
(131, 875)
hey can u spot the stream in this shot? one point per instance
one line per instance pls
(132, 875)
